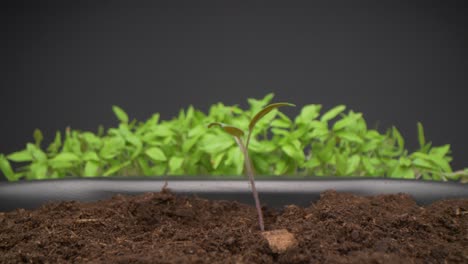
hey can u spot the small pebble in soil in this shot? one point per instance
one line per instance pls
(280, 240)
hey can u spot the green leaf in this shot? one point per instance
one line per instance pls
(423, 164)
(258, 104)
(160, 169)
(399, 138)
(188, 144)
(308, 113)
(90, 156)
(65, 156)
(370, 146)
(93, 141)
(156, 154)
(441, 151)
(265, 111)
(100, 131)
(215, 144)
(6, 169)
(20, 156)
(320, 129)
(218, 158)
(280, 132)
(38, 171)
(112, 170)
(71, 142)
(175, 164)
(144, 166)
(312, 163)
(280, 123)
(236, 159)
(136, 142)
(299, 133)
(439, 163)
(63, 160)
(91, 169)
(162, 130)
(405, 162)
(197, 131)
(349, 136)
(233, 131)
(421, 137)
(368, 166)
(112, 147)
(120, 114)
(442, 163)
(324, 153)
(332, 113)
(294, 152)
(403, 172)
(261, 164)
(352, 164)
(262, 146)
(56, 144)
(347, 122)
(281, 167)
(38, 137)
(36, 153)
(341, 164)
(148, 125)
(189, 115)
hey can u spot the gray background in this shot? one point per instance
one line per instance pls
(65, 64)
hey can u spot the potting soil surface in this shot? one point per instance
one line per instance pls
(165, 228)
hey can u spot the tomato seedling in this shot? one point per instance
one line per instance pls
(238, 135)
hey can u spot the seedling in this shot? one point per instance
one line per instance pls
(238, 134)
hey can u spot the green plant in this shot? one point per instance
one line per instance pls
(337, 142)
(238, 135)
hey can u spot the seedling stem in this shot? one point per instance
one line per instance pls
(238, 134)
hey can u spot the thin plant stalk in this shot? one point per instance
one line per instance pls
(238, 134)
(250, 174)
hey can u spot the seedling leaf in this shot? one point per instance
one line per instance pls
(352, 164)
(234, 131)
(156, 154)
(175, 163)
(350, 136)
(38, 137)
(116, 168)
(6, 169)
(265, 111)
(90, 156)
(54, 146)
(213, 144)
(20, 156)
(292, 151)
(38, 171)
(308, 113)
(65, 156)
(403, 172)
(91, 169)
(332, 113)
(120, 114)
(399, 138)
(421, 137)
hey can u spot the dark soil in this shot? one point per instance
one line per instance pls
(164, 228)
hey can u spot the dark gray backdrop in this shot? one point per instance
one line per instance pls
(65, 64)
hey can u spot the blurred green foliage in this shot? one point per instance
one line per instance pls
(334, 143)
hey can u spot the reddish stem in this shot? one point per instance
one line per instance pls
(249, 169)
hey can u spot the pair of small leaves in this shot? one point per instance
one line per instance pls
(237, 132)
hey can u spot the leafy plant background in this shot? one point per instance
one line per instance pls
(337, 142)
